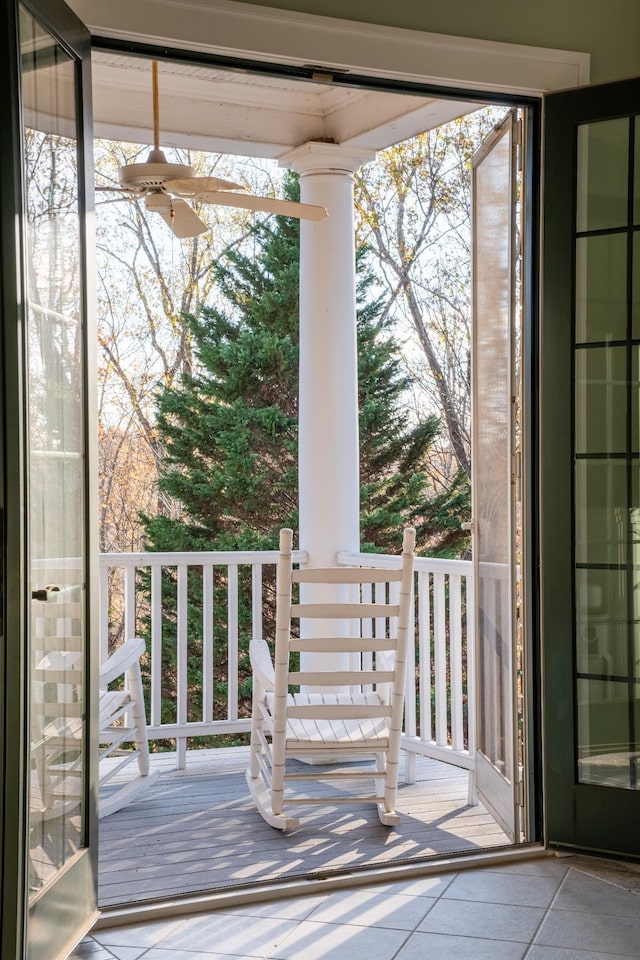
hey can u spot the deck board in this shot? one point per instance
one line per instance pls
(197, 830)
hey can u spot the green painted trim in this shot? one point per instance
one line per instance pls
(13, 825)
(576, 814)
(533, 827)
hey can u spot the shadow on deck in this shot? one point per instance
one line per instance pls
(197, 830)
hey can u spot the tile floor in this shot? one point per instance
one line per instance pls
(539, 910)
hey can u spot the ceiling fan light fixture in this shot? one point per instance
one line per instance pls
(158, 202)
(153, 175)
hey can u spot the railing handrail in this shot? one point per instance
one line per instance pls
(223, 557)
(195, 558)
(420, 564)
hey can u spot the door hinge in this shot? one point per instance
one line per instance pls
(516, 466)
(517, 131)
(520, 793)
(517, 140)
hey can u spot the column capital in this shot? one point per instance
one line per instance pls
(320, 157)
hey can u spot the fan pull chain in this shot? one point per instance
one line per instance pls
(156, 105)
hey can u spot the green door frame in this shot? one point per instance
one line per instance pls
(60, 917)
(13, 722)
(578, 814)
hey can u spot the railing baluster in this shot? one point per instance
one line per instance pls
(440, 635)
(207, 642)
(471, 675)
(410, 693)
(379, 592)
(471, 686)
(129, 603)
(156, 645)
(232, 639)
(366, 660)
(424, 649)
(455, 661)
(104, 613)
(182, 651)
(256, 601)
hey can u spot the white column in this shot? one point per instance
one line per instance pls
(328, 455)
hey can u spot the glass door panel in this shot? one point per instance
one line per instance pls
(602, 175)
(61, 856)
(56, 513)
(493, 253)
(606, 471)
(601, 287)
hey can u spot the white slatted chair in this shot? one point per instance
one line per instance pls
(58, 707)
(359, 717)
(123, 728)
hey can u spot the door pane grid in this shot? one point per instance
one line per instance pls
(606, 447)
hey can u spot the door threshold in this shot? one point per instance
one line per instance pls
(312, 884)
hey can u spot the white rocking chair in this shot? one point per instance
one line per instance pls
(357, 715)
(123, 728)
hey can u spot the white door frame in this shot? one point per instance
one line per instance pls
(251, 32)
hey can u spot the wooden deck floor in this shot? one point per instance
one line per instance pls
(197, 830)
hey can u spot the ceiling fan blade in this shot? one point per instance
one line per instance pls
(182, 220)
(284, 208)
(128, 191)
(127, 199)
(190, 186)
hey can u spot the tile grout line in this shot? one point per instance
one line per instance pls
(437, 899)
(546, 913)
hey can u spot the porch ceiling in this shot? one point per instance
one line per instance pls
(251, 114)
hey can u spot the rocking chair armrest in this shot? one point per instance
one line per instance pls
(119, 662)
(261, 663)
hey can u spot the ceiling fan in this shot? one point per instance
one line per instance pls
(163, 185)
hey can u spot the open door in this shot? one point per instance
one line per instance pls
(590, 468)
(493, 472)
(49, 853)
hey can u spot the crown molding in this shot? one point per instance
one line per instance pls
(252, 32)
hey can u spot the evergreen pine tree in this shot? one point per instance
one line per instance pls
(230, 429)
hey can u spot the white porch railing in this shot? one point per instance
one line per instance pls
(439, 696)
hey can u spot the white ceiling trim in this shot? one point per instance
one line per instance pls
(285, 37)
(250, 114)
